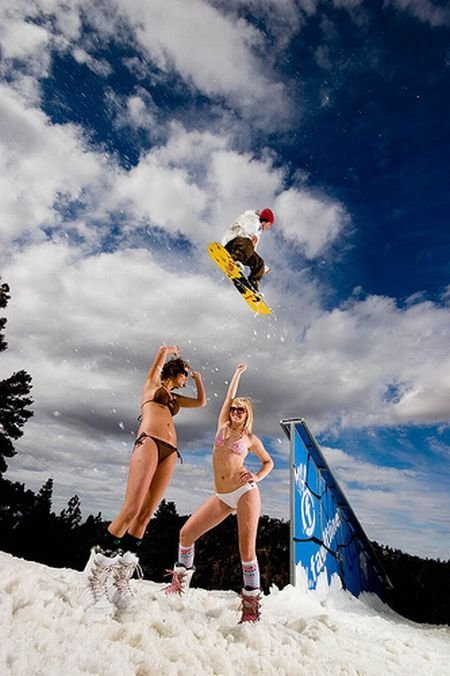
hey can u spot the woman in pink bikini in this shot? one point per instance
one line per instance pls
(236, 492)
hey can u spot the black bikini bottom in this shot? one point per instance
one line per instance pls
(164, 449)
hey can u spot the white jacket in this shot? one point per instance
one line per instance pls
(245, 225)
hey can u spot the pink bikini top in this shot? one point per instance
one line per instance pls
(239, 446)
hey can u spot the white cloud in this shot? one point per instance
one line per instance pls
(191, 148)
(41, 163)
(428, 402)
(68, 18)
(242, 182)
(101, 67)
(138, 112)
(22, 40)
(215, 54)
(86, 329)
(424, 10)
(281, 20)
(194, 184)
(225, 64)
(29, 32)
(310, 219)
(165, 196)
(371, 345)
(341, 370)
(392, 503)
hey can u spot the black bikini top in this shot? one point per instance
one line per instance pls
(164, 397)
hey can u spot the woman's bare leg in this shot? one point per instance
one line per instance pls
(142, 468)
(208, 515)
(248, 513)
(155, 494)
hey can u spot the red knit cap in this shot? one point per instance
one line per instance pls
(267, 215)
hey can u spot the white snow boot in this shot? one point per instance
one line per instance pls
(98, 570)
(122, 595)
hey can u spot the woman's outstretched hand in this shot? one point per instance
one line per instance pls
(174, 349)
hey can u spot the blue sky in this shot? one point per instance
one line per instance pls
(131, 134)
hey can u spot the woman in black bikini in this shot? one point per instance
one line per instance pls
(151, 467)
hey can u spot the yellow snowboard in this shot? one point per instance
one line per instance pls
(222, 258)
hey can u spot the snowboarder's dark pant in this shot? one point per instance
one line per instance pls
(241, 249)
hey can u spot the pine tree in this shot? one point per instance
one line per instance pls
(14, 398)
(43, 503)
(71, 516)
(4, 298)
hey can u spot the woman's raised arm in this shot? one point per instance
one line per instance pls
(155, 369)
(200, 400)
(231, 393)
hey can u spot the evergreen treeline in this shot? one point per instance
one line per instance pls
(14, 397)
(420, 587)
(30, 529)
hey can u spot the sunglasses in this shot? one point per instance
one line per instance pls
(240, 410)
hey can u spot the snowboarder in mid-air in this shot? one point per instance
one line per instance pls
(241, 240)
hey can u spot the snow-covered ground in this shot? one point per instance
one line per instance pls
(44, 631)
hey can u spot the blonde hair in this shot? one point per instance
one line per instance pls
(248, 405)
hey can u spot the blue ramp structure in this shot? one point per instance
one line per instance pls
(326, 537)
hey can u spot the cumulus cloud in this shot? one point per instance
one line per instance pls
(196, 184)
(164, 196)
(224, 62)
(30, 32)
(309, 219)
(372, 345)
(342, 368)
(391, 502)
(35, 171)
(101, 67)
(22, 40)
(281, 20)
(193, 184)
(86, 328)
(427, 11)
(426, 402)
(139, 112)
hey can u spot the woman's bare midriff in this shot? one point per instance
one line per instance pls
(157, 421)
(227, 469)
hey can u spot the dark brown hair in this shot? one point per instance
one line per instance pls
(173, 367)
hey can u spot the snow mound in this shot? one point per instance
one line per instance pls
(44, 631)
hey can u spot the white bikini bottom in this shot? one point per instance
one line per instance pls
(232, 499)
